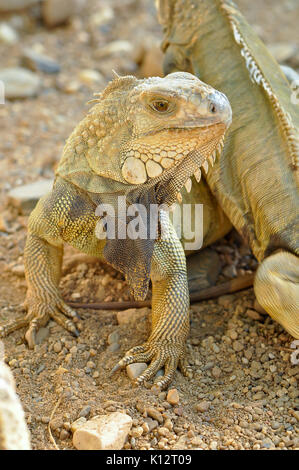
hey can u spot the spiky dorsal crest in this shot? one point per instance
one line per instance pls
(257, 76)
(118, 84)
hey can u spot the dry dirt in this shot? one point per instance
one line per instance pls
(244, 391)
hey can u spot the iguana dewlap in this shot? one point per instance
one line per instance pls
(256, 182)
(143, 139)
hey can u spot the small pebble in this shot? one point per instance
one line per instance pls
(203, 406)
(64, 434)
(253, 314)
(57, 347)
(136, 369)
(137, 431)
(113, 337)
(216, 372)
(173, 396)
(85, 411)
(238, 346)
(113, 347)
(155, 414)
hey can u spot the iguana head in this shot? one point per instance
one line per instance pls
(154, 132)
(176, 122)
(144, 139)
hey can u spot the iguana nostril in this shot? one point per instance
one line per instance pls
(218, 104)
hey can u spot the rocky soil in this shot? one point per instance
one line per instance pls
(244, 390)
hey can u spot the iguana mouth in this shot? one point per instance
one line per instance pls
(168, 189)
(172, 157)
(194, 126)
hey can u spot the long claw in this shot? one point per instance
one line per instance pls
(141, 357)
(38, 314)
(159, 354)
(30, 337)
(185, 367)
(64, 322)
(35, 323)
(68, 311)
(166, 379)
(115, 369)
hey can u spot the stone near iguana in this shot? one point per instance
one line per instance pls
(178, 123)
(106, 432)
(256, 181)
(25, 197)
(14, 434)
(19, 82)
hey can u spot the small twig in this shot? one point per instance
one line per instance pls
(229, 287)
(51, 417)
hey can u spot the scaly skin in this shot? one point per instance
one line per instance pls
(256, 181)
(143, 139)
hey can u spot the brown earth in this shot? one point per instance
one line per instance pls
(244, 391)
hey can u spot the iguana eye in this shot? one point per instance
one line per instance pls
(162, 106)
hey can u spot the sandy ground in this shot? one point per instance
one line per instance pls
(244, 393)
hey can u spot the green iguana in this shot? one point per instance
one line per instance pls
(143, 139)
(256, 181)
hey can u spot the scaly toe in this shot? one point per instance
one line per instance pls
(150, 372)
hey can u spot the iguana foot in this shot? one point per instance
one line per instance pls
(160, 354)
(39, 312)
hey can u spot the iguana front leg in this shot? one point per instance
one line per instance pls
(42, 261)
(170, 311)
(43, 301)
(64, 215)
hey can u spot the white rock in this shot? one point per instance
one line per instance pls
(78, 423)
(131, 315)
(104, 15)
(115, 47)
(6, 5)
(107, 432)
(7, 34)
(90, 76)
(134, 370)
(19, 83)
(25, 197)
(56, 12)
(39, 62)
(13, 429)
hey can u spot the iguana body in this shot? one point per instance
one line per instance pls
(143, 139)
(256, 182)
